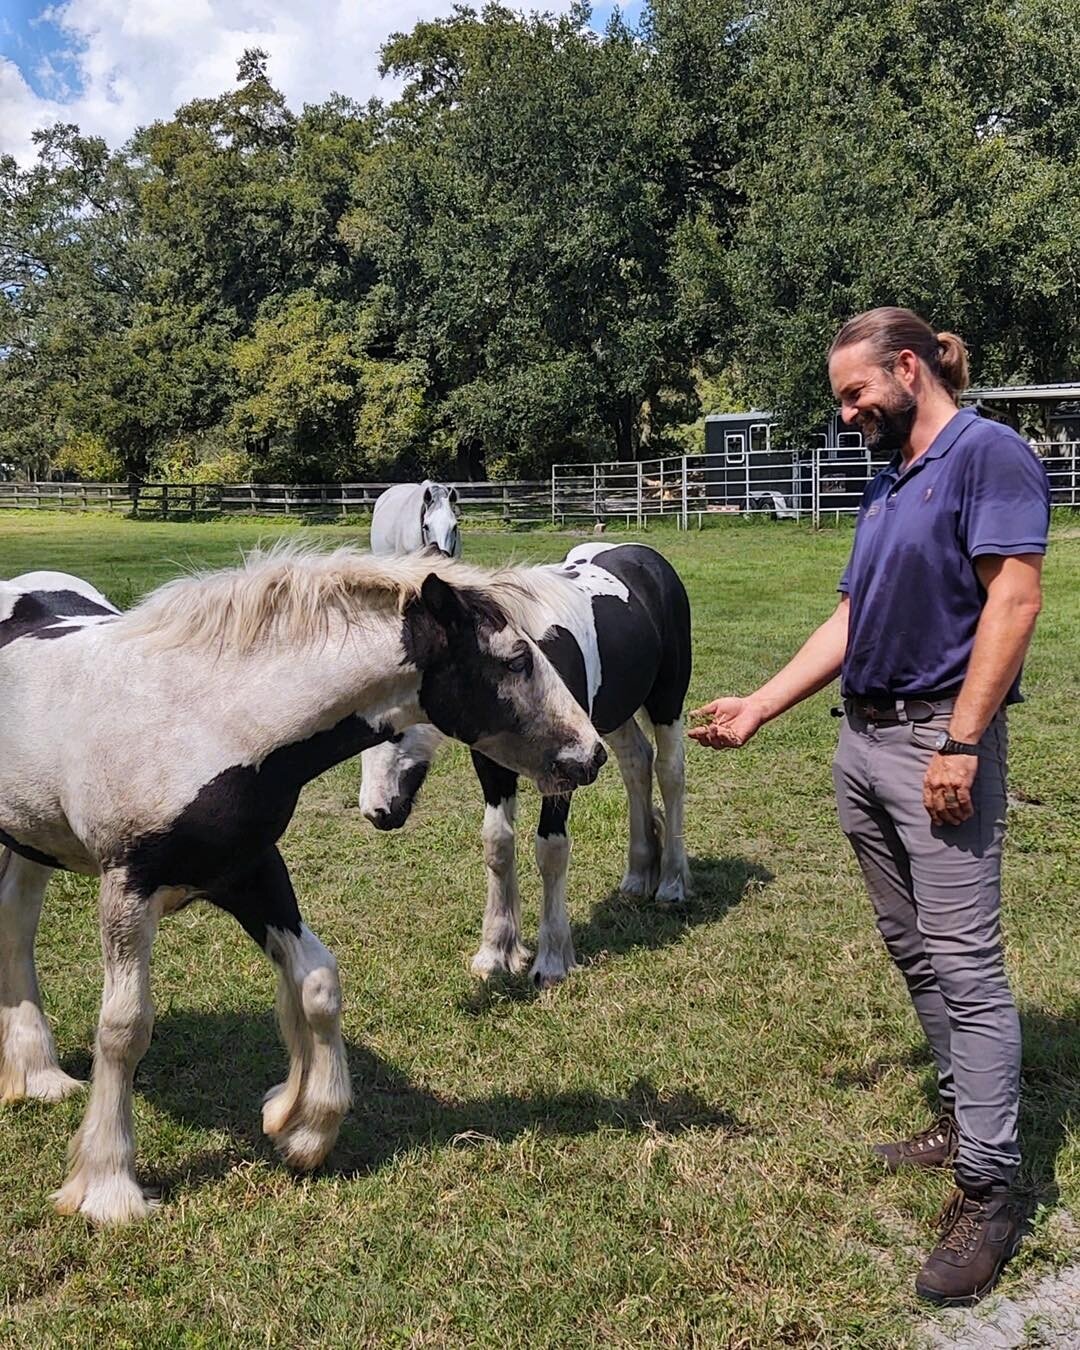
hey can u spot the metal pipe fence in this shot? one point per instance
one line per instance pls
(818, 484)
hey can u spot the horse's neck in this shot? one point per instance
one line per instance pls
(286, 691)
(359, 669)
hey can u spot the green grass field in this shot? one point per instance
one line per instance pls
(666, 1151)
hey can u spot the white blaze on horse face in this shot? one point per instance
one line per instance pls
(440, 526)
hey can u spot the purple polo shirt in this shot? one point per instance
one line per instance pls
(915, 596)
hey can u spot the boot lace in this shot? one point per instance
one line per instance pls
(942, 1132)
(960, 1222)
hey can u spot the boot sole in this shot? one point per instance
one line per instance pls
(941, 1300)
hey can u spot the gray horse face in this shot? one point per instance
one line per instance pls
(486, 683)
(439, 522)
(393, 774)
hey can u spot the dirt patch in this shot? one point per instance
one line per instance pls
(1048, 1317)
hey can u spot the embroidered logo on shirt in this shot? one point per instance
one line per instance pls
(928, 494)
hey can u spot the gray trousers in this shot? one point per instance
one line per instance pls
(936, 891)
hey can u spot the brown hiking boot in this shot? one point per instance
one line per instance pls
(980, 1231)
(935, 1147)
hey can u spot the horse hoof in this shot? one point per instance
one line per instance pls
(40, 1085)
(672, 893)
(52, 1085)
(490, 961)
(637, 885)
(105, 1201)
(550, 975)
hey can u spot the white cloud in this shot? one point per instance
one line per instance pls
(132, 61)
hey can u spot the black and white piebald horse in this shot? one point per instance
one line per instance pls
(165, 750)
(614, 621)
(409, 517)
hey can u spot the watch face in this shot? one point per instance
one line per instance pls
(940, 739)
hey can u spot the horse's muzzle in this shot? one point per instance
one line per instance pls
(392, 817)
(567, 772)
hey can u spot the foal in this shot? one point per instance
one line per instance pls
(614, 620)
(165, 750)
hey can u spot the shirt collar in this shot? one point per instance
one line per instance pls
(942, 443)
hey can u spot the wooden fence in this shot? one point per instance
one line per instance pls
(516, 501)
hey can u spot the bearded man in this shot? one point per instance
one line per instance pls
(937, 607)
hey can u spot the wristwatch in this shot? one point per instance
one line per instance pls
(945, 745)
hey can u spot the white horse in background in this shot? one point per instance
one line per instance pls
(413, 516)
(165, 749)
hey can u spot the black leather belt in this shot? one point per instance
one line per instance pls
(907, 708)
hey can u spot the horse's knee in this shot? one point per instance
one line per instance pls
(124, 1032)
(552, 855)
(321, 996)
(498, 838)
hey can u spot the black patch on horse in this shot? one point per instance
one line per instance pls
(397, 813)
(562, 650)
(241, 812)
(644, 643)
(35, 613)
(260, 896)
(458, 682)
(498, 784)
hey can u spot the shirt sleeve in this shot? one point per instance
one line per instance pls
(1006, 506)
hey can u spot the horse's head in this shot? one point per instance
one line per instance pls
(393, 774)
(484, 681)
(438, 520)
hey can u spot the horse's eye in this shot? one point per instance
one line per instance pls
(520, 664)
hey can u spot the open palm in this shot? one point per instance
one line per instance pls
(732, 721)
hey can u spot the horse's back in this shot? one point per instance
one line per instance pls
(395, 521)
(47, 604)
(642, 632)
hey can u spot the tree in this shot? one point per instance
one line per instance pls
(906, 154)
(521, 213)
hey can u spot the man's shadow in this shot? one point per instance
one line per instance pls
(209, 1070)
(619, 924)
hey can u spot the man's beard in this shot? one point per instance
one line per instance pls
(888, 427)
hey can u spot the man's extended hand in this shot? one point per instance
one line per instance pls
(732, 721)
(947, 788)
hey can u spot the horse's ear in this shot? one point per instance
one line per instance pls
(453, 496)
(427, 495)
(442, 602)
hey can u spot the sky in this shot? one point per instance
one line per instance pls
(113, 65)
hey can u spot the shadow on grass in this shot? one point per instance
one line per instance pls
(1049, 1092)
(209, 1070)
(1049, 1097)
(619, 924)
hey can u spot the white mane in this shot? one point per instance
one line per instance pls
(290, 591)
